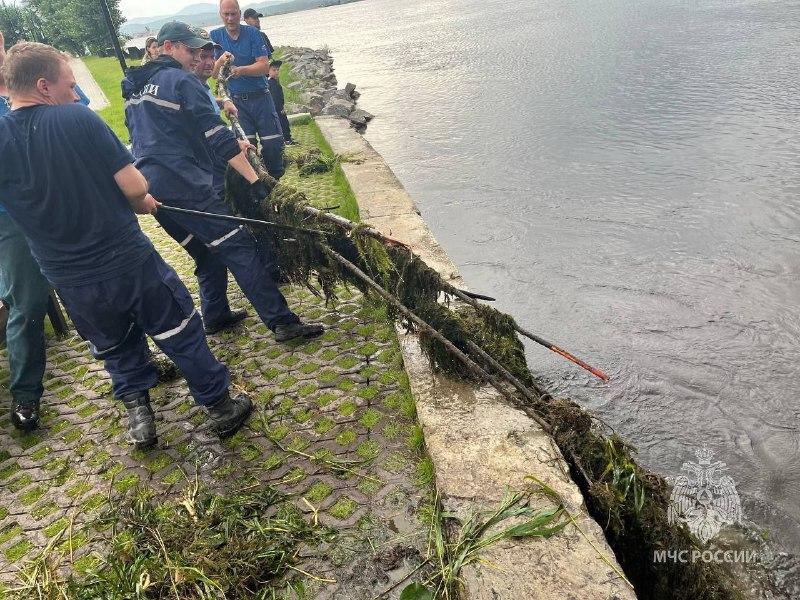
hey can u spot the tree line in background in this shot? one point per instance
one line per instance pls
(75, 26)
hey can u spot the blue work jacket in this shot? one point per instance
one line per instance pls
(175, 132)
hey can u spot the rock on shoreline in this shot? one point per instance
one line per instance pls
(318, 85)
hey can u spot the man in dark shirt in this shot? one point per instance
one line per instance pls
(24, 291)
(248, 84)
(253, 18)
(177, 136)
(69, 184)
(277, 95)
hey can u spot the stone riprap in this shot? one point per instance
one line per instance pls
(318, 86)
(344, 396)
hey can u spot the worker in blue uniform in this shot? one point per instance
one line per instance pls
(176, 136)
(70, 186)
(248, 86)
(253, 18)
(211, 273)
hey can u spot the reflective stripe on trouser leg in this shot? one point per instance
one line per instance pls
(151, 297)
(212, 276)
(181, 337)
(236, 249)
(257, 116)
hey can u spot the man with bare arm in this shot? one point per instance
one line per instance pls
(177, 136)
(248, 86)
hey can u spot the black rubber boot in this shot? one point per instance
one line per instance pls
(227, 415)
(25, 416)
(284, 333)
(233, 318)
(141, 420)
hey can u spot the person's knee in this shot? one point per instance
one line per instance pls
(31, 310)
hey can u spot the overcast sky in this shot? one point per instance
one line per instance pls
(147, 8)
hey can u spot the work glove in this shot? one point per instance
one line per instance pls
(258, 192)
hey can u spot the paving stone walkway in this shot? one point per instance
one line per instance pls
(344, 396)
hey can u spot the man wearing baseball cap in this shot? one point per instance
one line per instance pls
(245, 48)
(253, 18)
(176, 135)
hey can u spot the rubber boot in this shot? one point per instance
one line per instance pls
(227, 415)
(233, 318)
(284, 333)
(25, 416)
(141, 420)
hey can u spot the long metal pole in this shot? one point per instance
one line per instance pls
(243, 220)
(112, 31)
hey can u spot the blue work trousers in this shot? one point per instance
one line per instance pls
(235, 248)
(25, 291)
(114, 315)
(212, 275)
(260, 122)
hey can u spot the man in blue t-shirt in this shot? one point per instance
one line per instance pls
(70, 185)
(24, 292)
(245, 47)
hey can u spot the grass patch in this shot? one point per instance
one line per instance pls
(348, 206)
(287, 76)
(108, 75)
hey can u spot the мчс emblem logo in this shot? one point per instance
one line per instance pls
(705, 499)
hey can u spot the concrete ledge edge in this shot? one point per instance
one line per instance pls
(479, 444)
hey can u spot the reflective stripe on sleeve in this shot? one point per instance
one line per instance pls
(266, 138)
(185, 242)
(225, 237)
(154, 100)
(211, 132)
(173, 332)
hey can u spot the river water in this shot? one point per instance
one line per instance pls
(623, 176)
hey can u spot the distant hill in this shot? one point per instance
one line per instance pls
(197, 9)
(208, 14)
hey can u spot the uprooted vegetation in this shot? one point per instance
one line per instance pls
(629, 502)
(240, 545)
(519, 516)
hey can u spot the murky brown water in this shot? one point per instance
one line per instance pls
(624, 177)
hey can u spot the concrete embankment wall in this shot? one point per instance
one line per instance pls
(479, 444)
